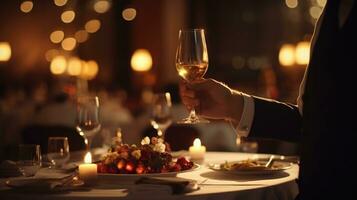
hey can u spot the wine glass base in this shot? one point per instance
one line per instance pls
(197, 120)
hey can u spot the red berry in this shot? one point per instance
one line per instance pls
(140, 169)
(121, 164)
(129, 167)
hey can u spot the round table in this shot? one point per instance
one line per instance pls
(213, 185)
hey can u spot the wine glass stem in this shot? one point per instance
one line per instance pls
(88, 142)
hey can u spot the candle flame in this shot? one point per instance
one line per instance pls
(197, 142)
(88, 158)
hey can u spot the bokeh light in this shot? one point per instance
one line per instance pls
(89, 69)
(60, 2)
(5, 51)
(68, 16)
(141, 60)
(26, 6)
(321, 3)
(57, 36)
(58, 65)
(302, 53)
(287, 55)
(81, 36)
(69, 44)
(291, 3)
(50, 54)
(315, 12)
(101, 6)
(129, 14)
(74, 67)
(92, 26)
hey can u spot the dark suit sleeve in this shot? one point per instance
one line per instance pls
(273, 119)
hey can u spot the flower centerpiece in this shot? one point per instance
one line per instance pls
(151, 156)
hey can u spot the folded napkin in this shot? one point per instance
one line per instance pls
(8, 168)
(45, 180)
(174, 185)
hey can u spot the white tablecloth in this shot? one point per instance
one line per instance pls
(214, 185)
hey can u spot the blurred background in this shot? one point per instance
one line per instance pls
(124, 51)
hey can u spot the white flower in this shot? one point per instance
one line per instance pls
(136, 154)
(159, 147)
(146, 140)
(111, 157)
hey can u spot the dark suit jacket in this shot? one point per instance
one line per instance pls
(327, 129)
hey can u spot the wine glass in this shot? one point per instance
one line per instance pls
(161, 113)
(88, 118)
(29, 159)
(192, 63)
(58, 151)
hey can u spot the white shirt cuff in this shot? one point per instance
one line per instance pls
(246, 121)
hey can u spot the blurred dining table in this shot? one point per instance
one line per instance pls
(212, 185)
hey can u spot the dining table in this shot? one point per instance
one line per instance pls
(212, 184)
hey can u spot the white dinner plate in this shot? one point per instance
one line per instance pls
(278, 166)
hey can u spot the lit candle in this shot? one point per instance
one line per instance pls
(197, 151)
(88, 170)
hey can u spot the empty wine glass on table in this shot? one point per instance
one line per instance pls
(88, 124)
(161, 113)
(192, 63)
(58, 151)
(29, 159)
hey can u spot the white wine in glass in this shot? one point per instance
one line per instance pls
(192, 63)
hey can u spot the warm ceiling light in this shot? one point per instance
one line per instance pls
(141, 60)
(60, 2)
(92, 26)
(287, 55)
(57, 36)
(74, 67)
(26, 6)
(5, 51)
(129, 14)
(68, 16)
(58, 65)
(68, 44)
(101, 6)
(81, 36)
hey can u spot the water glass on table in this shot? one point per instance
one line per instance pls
(29, 159)
(58, 151)
(161, 113)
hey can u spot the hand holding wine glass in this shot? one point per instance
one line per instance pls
(88, 118)
(161, 113)
(192, 62)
